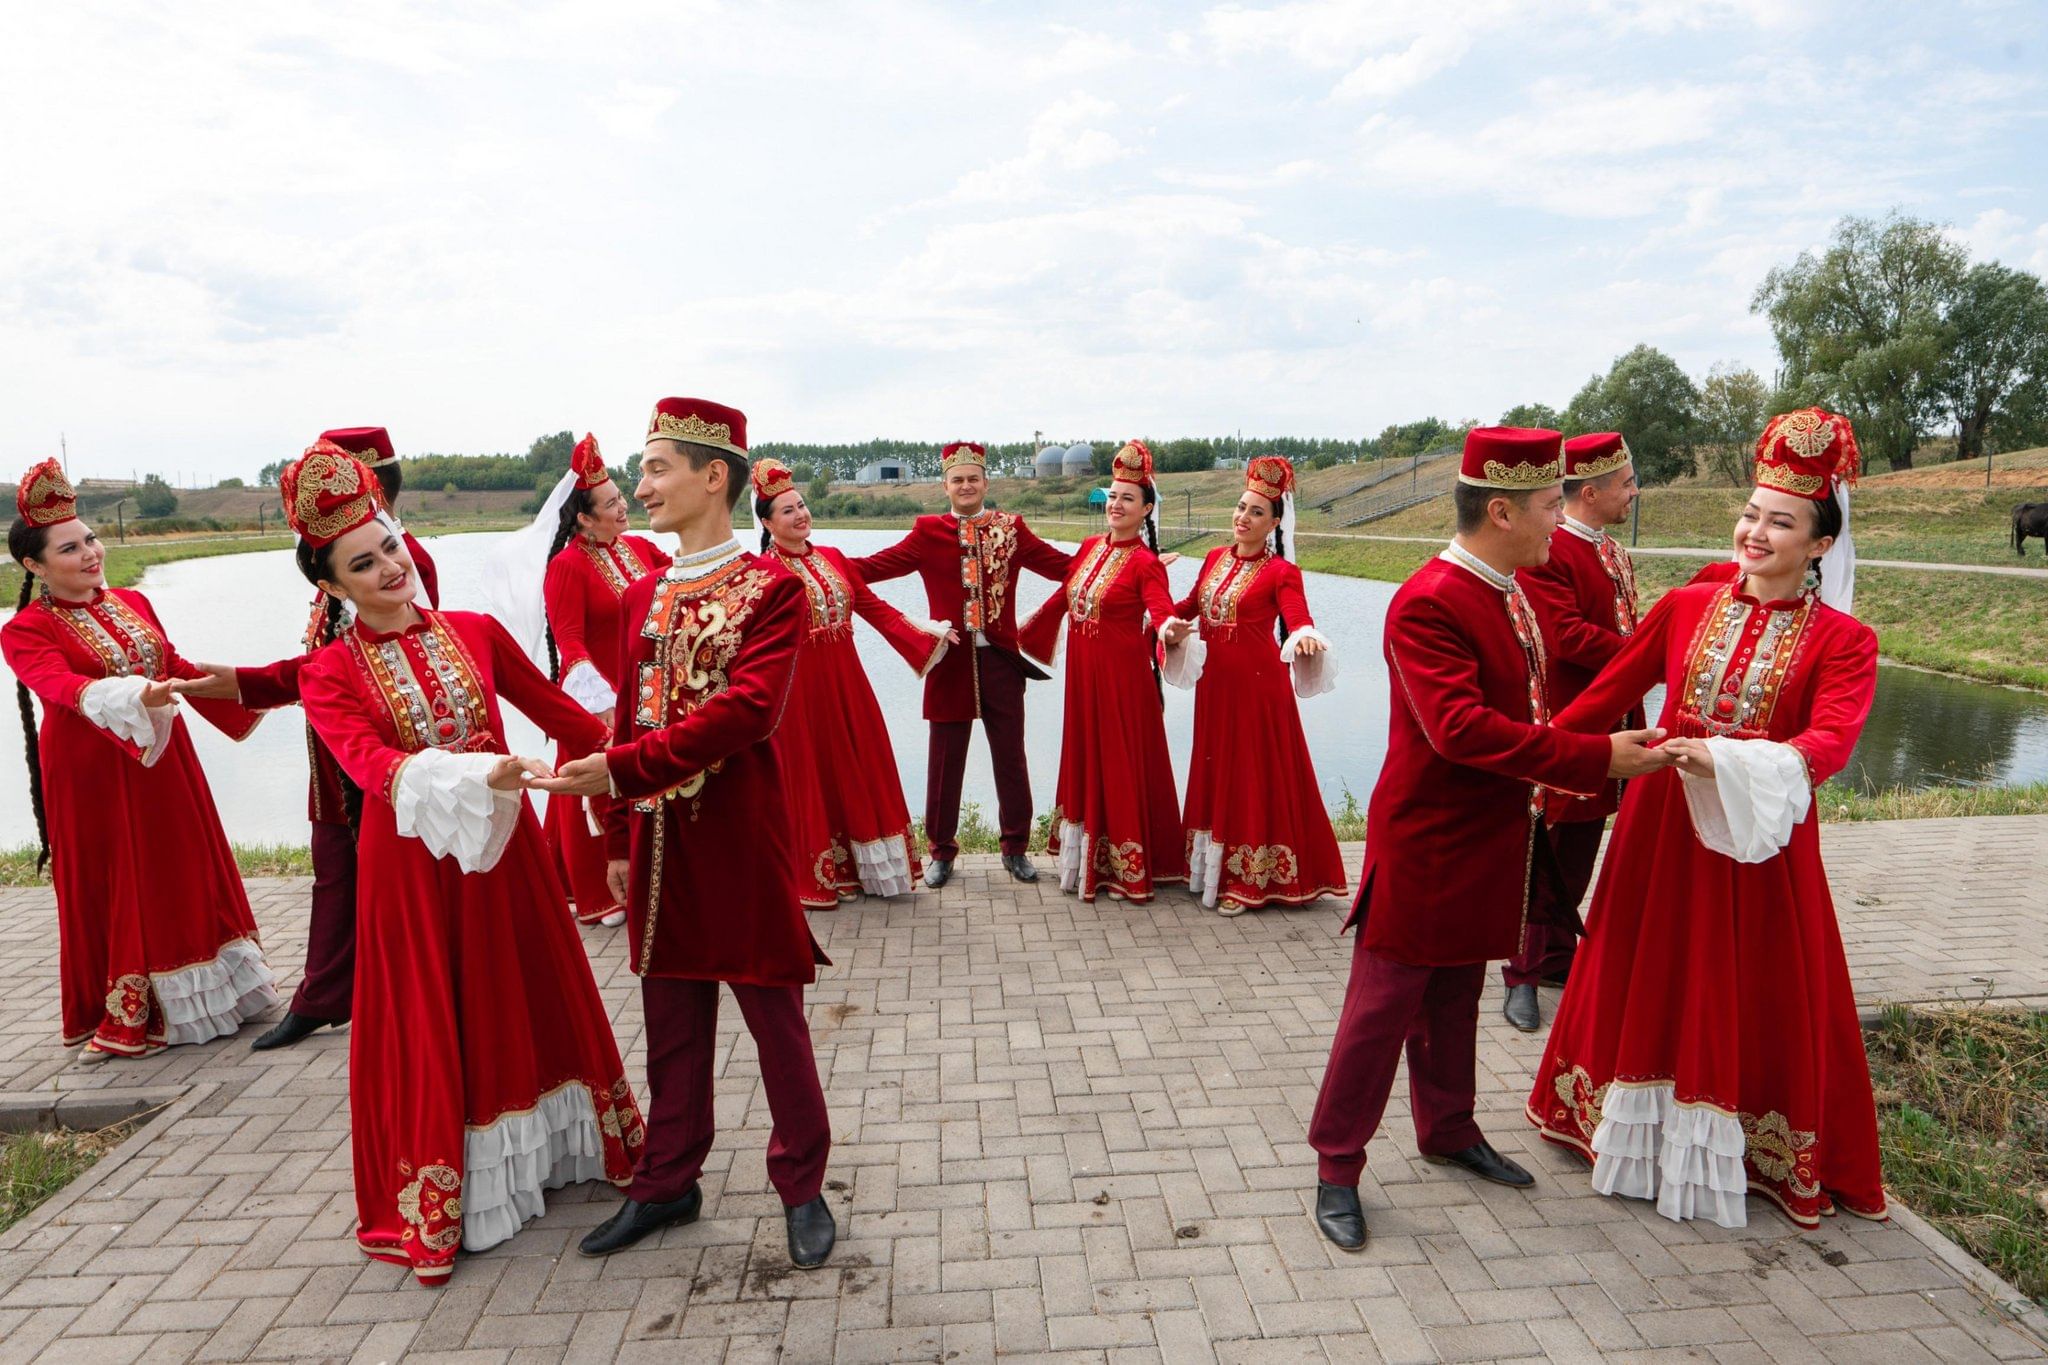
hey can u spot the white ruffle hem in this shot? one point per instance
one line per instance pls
(1205, 866)
(508, 1163)
(1074, 853)
(1686, 1157)
(211, 1000)
(883, 865)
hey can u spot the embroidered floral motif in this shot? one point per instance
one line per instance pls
(429, 686)
(1621, 571)
(1224, 586)
(1782, 1153)
(986, 544)
(831, 596)
(618, 564)
(1582, 1099)
(1093, 575)
(1739, 662)
(1257, 865)
(618, 1116)
(128, 1000)
(126, 643)
(431, 1205)
(1124, 862)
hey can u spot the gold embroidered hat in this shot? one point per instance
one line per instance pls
(1594, 454)
(328, 493)
(1270, 476)
(1806, 453)
(371, 445)
(771, 478)
(1513, 458)
(1132, 464)
(700, 422)
(962, 452)
(45, 496)
(587, 464)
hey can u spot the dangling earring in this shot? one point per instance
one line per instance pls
(1812, 583)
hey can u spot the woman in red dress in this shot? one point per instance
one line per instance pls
(1116, 824)
(1258, 832)
(591, 562)
(156, 943)
(1708, 1042)
(838, 765)
(482, 1067)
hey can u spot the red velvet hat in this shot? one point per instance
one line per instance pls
(1513, 458)
(587, 465)
(1133, 464)
(962, 452)
(371, 445)
(699, 422)
(1806, 453)
(45, 496)
(1594, 454)
(328, 493)
(1270, 476)
(771, 478)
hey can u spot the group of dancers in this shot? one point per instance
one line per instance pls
(721, 765)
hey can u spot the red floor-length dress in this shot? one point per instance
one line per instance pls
(157, 945)
(1116, 826)
(1708, 1041)
(837, 761)
(584, 583)
(482, 1067)
(1258, 830)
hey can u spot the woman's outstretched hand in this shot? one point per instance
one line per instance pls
(155, 694)
(513, 773)
(1631, 755)
(218, 684)
(1693, 756)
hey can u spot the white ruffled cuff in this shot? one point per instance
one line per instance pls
(1758, 794)
(115, 705)
(588, 689)
(1314, 674)
(445, 801)
(1183, 663)
(936, 629)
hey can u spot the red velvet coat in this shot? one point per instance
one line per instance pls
(1451, 829)
(1587, 611)
(585, 585)
(935, 551)
(710, 652)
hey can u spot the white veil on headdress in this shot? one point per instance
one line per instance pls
(1838, 565)
(519, 569)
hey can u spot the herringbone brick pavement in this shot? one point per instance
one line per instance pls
(1062, 1130)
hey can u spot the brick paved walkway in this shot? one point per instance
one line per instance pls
(1060, 1128)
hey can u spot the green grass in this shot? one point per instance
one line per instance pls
(127, 563)
(18, 865)
(1839, 804)
(34, 1166)
(1962, 1100)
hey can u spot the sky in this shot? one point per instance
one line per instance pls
(226, 227)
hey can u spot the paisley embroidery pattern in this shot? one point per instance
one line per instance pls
(431, 1205)
(1259, 865)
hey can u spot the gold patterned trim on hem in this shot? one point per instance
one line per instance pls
(1276, 898)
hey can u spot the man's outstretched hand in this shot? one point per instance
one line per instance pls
(1630, 754)
(586, 776)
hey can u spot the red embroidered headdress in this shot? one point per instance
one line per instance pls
(328, 493)
(588, 465)
(962, 452)
(772, 478)
(1133, 464)
(1270, 477)
(1514, 458)
(1806, 453)
(371, 445)
(45, 496)
(699, 422)
(1594, 454)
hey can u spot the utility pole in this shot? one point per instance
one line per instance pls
(64, 454)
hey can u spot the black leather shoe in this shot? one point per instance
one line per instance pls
(1487, 1164)
(1019, 866)
(1522, 1009)
(635, 1220)
(290, 1029)
(1339, 1216)
(938, 872)
(811, 1233)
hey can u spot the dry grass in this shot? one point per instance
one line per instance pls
(34, 1166)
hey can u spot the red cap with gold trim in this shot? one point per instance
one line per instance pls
(771, 478)
(1806, 453)
(371, 445)
(45, 496)
(1595, 454)
(327, 493)
(1132, 464)
(1513, 458)
(588, 465)
(1270, 476)
(700, 422)
(962, 452)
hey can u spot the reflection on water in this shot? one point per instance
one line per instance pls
(251, 609)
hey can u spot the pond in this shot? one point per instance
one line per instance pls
(251, 608)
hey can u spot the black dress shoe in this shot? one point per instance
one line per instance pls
(290, 1029)
(811, 1233)
(635, 1220)
(1019, 866)
(938, 872)
(1339, 1216)
(1522, 1009)
(1487, 1164)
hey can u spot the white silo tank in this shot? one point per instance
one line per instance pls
(1050, 462)
(1080, 459)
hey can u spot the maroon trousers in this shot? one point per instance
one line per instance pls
(328, 989)
(1435, 1012)
(1002, 719)
(682, 1031)
(1549, 948)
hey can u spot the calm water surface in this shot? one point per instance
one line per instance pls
(251, 608)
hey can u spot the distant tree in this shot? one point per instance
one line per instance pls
(550, 454)
(1651, 402)
(1862, 327)
(231, 482)
(1997, 354)
(1734, 405)
(1539, 415)
(155, 498)
(268, 476)
(818, 492)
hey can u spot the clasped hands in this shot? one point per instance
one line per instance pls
(1634, 753)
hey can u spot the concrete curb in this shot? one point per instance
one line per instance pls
(2021, 1311)
(184, 1100)
(81, 1110)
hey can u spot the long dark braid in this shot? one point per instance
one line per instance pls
(761, 506)
(26, 542)
(565, 531)
(318, 564)
(1279, 549)
(1152, 544)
